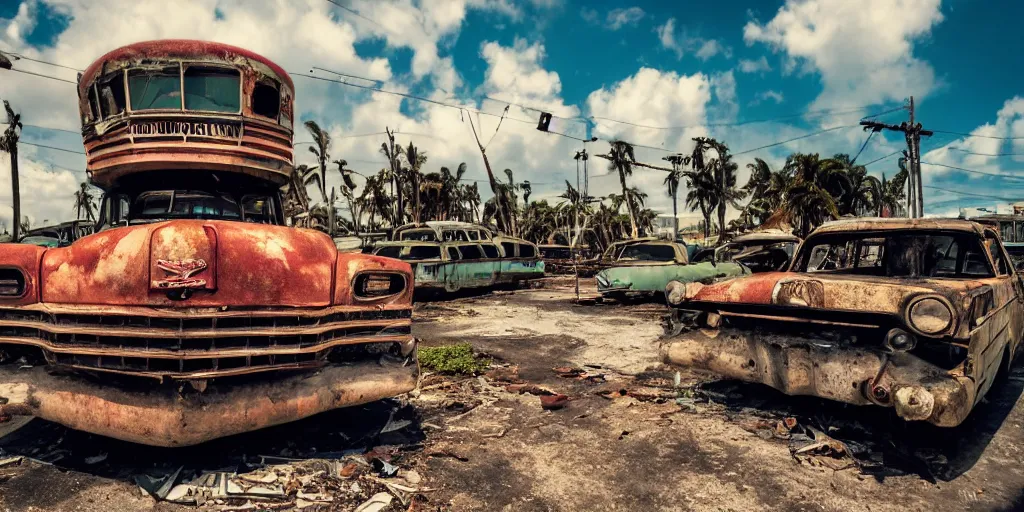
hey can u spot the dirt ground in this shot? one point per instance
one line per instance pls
(629, 438)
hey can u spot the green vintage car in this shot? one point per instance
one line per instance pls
(451, 256)
(646, 267)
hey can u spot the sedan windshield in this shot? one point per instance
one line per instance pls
(900, 254)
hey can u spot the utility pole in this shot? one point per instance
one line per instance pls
(912, 132)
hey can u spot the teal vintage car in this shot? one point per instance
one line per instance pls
(451, 256)
(647, 266)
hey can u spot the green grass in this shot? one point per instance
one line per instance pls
(456, 359)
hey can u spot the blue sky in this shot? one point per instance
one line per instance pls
(710, 69)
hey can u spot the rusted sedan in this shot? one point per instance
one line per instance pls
(921, 315)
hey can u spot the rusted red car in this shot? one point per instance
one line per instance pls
(922, 315)
(194, 312)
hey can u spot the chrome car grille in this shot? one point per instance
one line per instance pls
(205, 344)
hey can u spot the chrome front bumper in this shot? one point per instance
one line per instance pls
(917, 389)
(163, 417)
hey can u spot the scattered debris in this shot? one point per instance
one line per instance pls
(96, 459)
(553, 402)
(376, 503)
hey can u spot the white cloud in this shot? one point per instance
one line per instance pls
(703, 49)
(618, 18)
(754, 66)
(863, 50)
(763, 96)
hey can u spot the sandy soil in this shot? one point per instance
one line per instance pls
(623, 442)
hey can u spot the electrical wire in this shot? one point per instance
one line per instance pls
(879, 159)
(42, 75)
(795, 139)
(985, 154)
(862, 146)
(811, 114)
(969, 193)
(51, 147)
(356, 13)
(1004, 176)
(962, 134)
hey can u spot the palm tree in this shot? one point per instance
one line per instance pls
(767, 190)
(9, 143)
(348, 191)
(296, 198)
(672, 181)
(621, 158)
(85, 200)
(724, 172)
(416, 159)
(321, 148)
(393, 154)
(701, 181)
(809, 200)
(892, 195)
(856, 196)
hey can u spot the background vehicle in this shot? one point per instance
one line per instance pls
(646, 268)
(762, 251)
(917, 314)
(451, 256)
(194, 312)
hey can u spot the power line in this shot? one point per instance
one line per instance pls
(969, 193)
(1005, 176)
(986, 154)
(356, 13)
(879, 159)
(978, 136)
(22, 57)
(811, 114)
(795, 139)
(51, 147)
(42, 75)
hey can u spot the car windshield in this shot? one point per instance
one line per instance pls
(196, 204)
(419, 235)
(648, 252)
(899, 254)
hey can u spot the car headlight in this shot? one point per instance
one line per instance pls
(374, 285)
(602, 280)
(930, 316)
(12, 283)
(675, 292)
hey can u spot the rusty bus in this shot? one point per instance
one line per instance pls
(194, 312)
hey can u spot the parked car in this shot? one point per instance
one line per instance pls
(922, 315)
(450, 256)
(1011, 230)
(645, 268)
(761, 251)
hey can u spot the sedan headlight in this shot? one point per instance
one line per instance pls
(675, 292)
(374, 285)
(602, 280)
(930, 316)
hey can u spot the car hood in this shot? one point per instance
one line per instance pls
(829, 292)
(654, 278)
(230, 264)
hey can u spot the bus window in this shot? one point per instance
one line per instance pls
(266, 100)
(490, 251)
(471, 252)
(1019, 232)
(153, 89)
(509, 249)
(212, 89)
(527, 251)
(111, 94)
(453, 254)
(474, 235)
